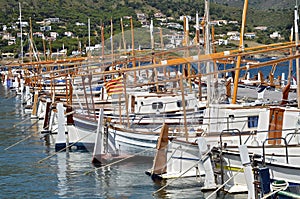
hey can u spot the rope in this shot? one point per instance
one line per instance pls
(50, 156)
(21, 122)
(22, 139)
(8, 98)
(182, 173)
(238, 172)
(277, 190)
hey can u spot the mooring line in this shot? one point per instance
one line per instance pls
(237, 172)
(50, 156)
(21, 122)
(182, 173)
(176, 178)
(22, 139)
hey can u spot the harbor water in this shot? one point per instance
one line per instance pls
(26, 173)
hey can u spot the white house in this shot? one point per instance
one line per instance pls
(38, 34)
(222, 42)
(262, 28)
(275, 35)
(45, 28)
(23, 23)
(68, 34)
(250, 35)
(54, 35)
(182, 17)
(79, 24)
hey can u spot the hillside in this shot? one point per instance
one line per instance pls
(70, 12)
(80, 10)
(259, 4)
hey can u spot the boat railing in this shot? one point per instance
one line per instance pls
(286, 149)
(292, 134)
(231, 132)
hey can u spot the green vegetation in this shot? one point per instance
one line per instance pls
(101, 12)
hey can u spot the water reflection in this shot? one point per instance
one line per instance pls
(63, 175)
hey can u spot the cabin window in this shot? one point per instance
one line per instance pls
(179, 103)
(252, 121)
(157, 105)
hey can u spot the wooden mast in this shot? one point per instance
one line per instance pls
(132, 48)
(241, 49)
(123, 36)
(30, 43)
(297, 52)
(184, 108)
(208, 51)
(20, 10)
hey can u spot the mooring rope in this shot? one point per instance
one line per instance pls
(24, 138)
(286, 185)
(21, 122)
(237, 172)
(50, 156)
(182, 173)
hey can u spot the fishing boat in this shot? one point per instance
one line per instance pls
(269, 131)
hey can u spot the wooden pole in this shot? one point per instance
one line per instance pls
(184, 109)
(291, 61)
(30, 43)
(132, 46)
(241, 48)
(123, 36)
(111, 39)
(297, 52)
(102, 40)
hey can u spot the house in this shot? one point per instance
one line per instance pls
(54, 35)
(250, 35)
(262, 28)
(233, 35)
(11, 41)
(162, 19)
(79, 24)
(233, 22)
(68, 34)
(175, 40)
(52, 20)
(23, 24)
(45, 28)
(7, 55)
(159, 15)
(38, 34)
(275, 35)
(222, 42)
(141, 16)
(174, 25)
(188, 17)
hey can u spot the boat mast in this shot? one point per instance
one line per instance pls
(208, 51)
(297, 52)
(21, 32)
(241, 49)
(89, 35)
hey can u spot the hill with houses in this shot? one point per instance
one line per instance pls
(66, 21)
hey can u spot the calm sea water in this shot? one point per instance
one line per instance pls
(71, 174)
